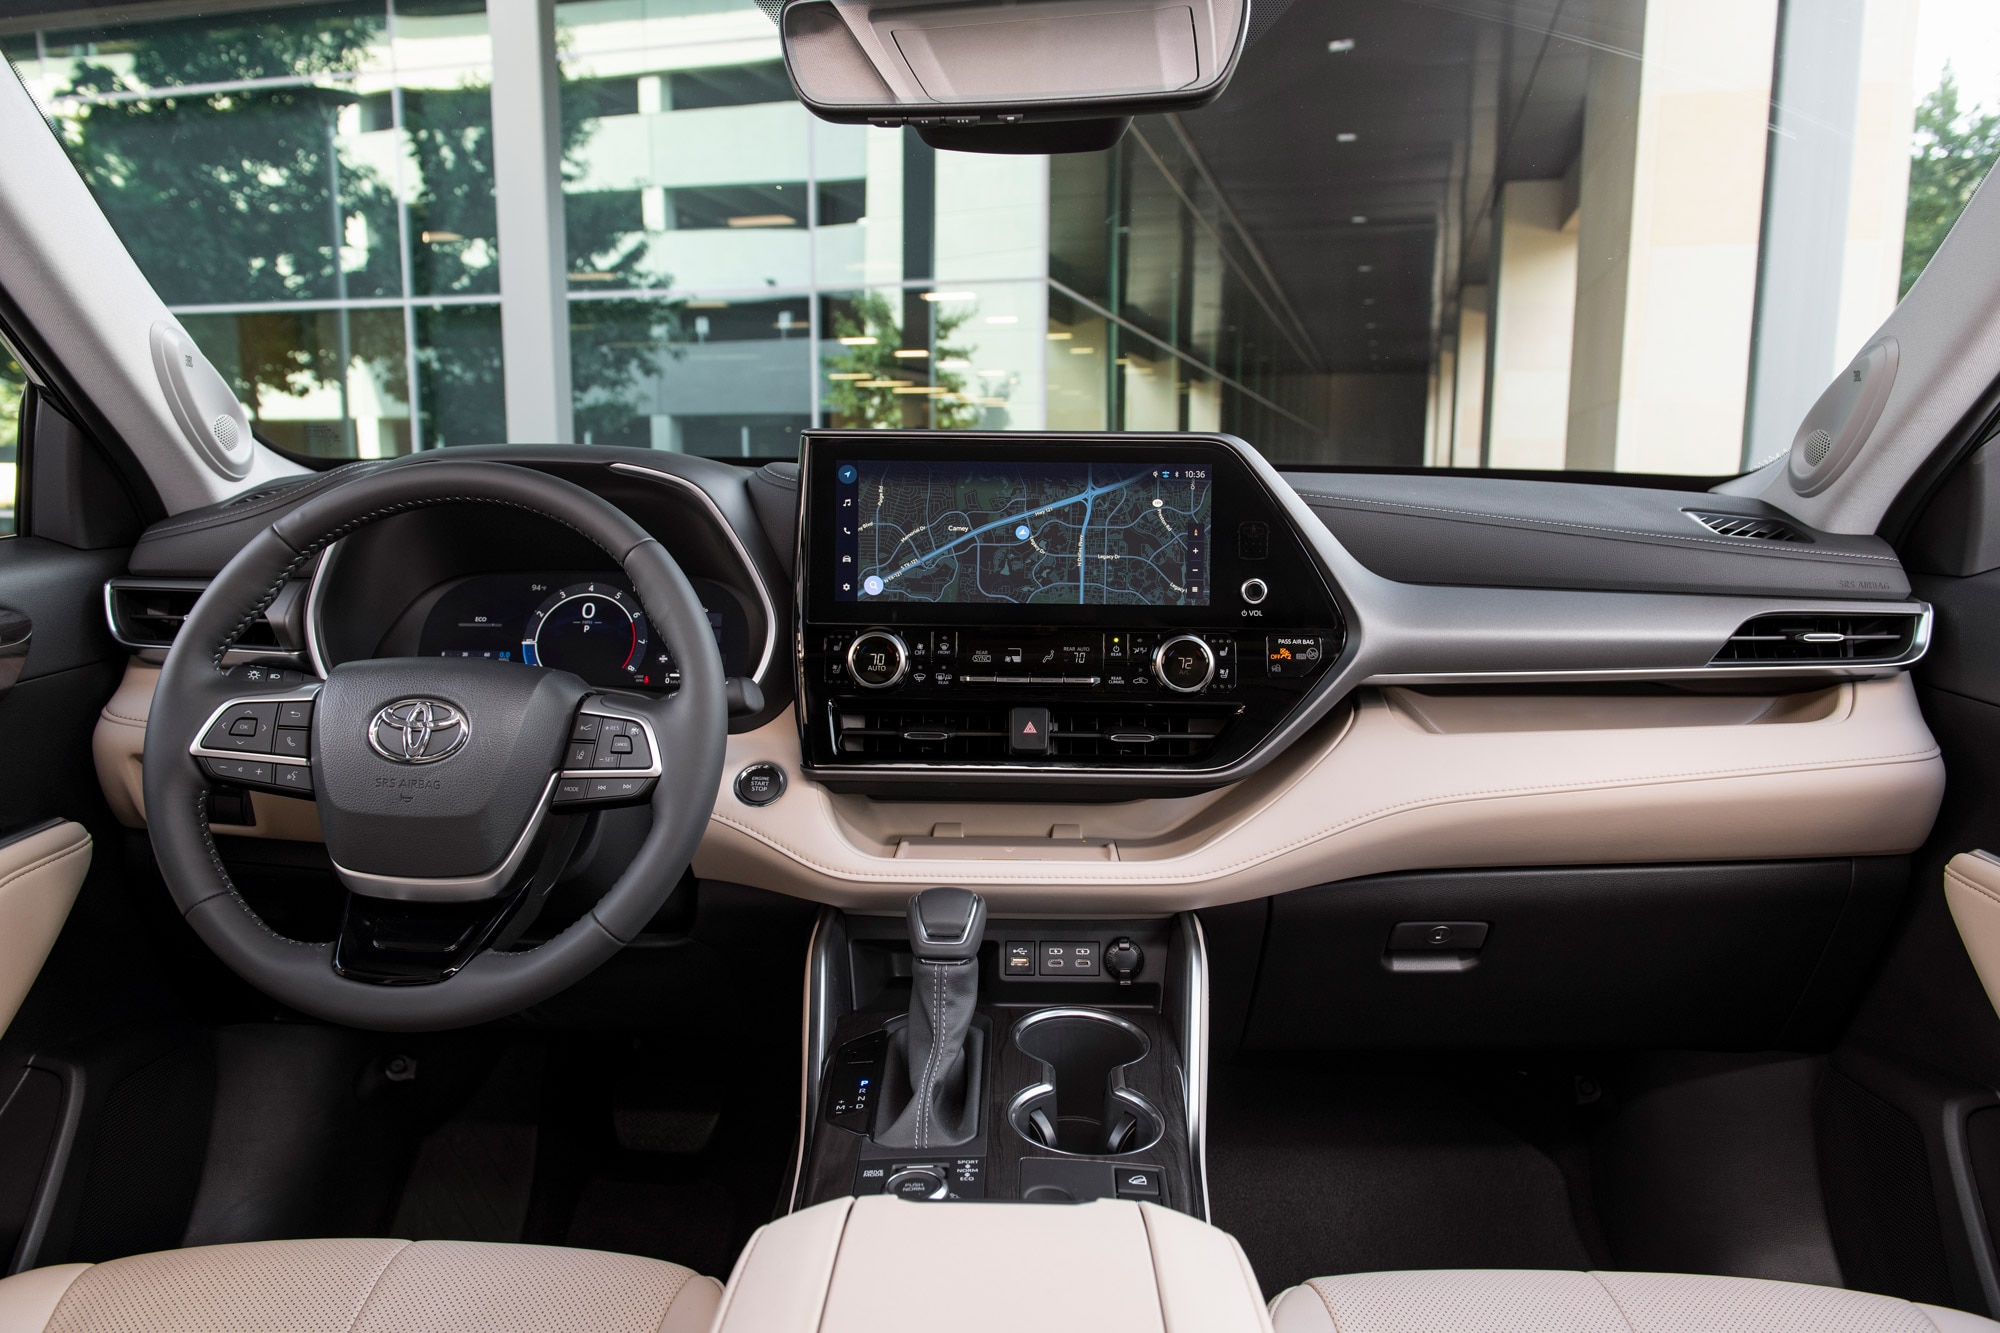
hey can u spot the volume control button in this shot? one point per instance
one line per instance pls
(877, 659)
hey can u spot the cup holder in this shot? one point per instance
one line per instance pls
(1079, 1109)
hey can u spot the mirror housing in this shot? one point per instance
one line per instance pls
(1010, 76)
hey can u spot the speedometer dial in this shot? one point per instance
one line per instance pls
(597, 631)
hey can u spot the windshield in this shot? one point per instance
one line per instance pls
(1602, 235)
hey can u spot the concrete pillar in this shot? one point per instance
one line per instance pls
(1534, 311)
(1469, 391)
(528, 202)
(1671, 194)
(1806, 186)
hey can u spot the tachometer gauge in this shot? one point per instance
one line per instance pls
(597, 631)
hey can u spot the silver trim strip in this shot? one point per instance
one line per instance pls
(815, 1039)
(457, 889)
(1195, 1054)
(735, 542)
(315, 651)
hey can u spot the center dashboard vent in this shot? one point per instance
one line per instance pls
(1748, 527)
(1076, 733)
(1822, 638)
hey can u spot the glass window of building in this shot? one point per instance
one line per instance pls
(1608, 235)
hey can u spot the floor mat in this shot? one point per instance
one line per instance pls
(1382, 1166)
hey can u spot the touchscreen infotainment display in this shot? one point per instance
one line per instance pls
(1046, 533)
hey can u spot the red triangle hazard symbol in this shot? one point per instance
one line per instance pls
(1028, 729)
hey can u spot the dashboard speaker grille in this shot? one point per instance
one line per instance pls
(1821, 638)
(1076, 732)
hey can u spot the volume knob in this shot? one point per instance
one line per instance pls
(877, 659)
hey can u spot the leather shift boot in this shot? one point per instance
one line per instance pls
(938, 1060)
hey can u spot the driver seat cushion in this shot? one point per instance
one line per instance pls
(1530, 1301)
(362, 1286)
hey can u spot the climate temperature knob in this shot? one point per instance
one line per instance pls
(1184, 664)
(877, 659)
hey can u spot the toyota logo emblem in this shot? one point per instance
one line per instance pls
(418, 731)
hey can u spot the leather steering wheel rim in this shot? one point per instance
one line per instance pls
(691, 726)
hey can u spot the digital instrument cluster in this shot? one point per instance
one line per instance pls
(579, 622)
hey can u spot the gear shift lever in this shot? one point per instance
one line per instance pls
(942, 1056)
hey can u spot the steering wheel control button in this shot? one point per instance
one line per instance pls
(760, 784)
(1185, 664)
(1028, 731)
(1255, 591)
(1293, 655)
(619, 789)
(581, 754)
(571, 790)
(1017, 959)
(877, 659)
(245, 728)
(588, 727)
(1138, 1182)
(296, 778)
(249, 772)
(295, 712)
(293, 743)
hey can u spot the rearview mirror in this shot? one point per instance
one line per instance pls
(1010, 76)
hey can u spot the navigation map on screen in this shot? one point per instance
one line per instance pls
(1028, 533)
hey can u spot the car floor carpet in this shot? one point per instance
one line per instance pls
(1379, 1164)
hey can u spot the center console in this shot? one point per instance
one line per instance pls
(951, 1059)
(1123, 611)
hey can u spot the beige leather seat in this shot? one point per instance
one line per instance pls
(1524, 1301)
(362, 1286)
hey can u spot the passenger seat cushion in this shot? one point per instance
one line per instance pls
(378, 1286)
(1527, 1301)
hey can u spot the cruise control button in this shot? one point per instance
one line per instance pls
(580, 755)
(621, 745)
(586, 728)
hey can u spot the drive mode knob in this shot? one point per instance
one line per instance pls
(1184, 664)
(877, 659)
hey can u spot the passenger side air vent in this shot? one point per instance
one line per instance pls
(1076, 733)
(148, 613)
(1815, 638)
(1748, 527)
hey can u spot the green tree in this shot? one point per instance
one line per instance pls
(245, 195)
(866, 375)
(1952, 153)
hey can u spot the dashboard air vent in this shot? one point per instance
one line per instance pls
(148, 613)
(1749, 527)
(1076, 732)
(1807, 638)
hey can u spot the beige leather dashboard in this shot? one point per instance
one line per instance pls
(1397, 779)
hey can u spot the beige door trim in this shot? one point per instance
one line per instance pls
(40, 873)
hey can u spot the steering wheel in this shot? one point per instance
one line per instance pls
(451, 792)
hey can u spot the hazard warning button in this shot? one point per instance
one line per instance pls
(1028, 731)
